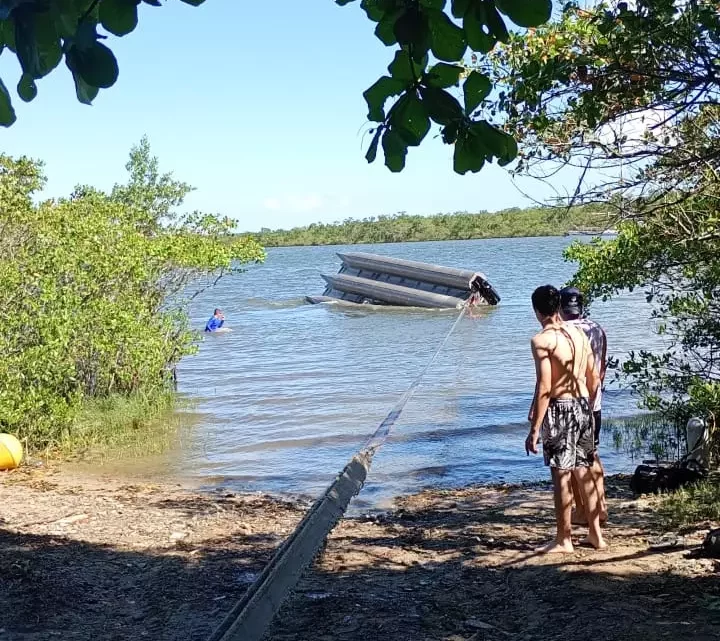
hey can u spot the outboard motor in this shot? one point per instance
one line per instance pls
(698, 443)
(652, 478)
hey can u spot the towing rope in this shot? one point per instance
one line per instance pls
(252, 615)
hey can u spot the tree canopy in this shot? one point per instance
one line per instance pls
(43, 33)
(403, 227)
(430, 39)
(629, 94)
(421, 30)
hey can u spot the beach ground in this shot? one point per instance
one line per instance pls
(93, 558)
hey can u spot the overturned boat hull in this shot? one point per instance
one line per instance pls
(381, 280)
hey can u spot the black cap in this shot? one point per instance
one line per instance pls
(571, 301)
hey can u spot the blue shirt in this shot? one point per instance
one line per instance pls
(213, 324)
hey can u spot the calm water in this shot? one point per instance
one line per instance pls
(295, 389)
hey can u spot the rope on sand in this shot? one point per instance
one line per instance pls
(252, 615)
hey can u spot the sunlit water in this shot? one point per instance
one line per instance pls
(283, 401)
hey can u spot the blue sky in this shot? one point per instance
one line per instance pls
(259, 106)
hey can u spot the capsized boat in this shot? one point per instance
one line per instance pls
(382, 280)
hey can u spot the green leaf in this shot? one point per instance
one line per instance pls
(377, 95)
(8, 6)
(498, 143)
(27, 89)
(385, 30)
(342, 3)
(372, 149)
(64, 15)
(7, 113)
(411, 28)
(443, 75)
(477, 33)
(119, 17)
(469, 153)
(410, 119)
(376, 9)
(450, 132)
(447, 39)
(433, 4)
(460, 7)
(526, 13)
(404, 68)
(97, 66)
(49, 47)
(511, 151)
(194, 3)
(7, 34)
(495, 22)
(86, 35)
(440, 105)
(395, 149)
(476, 88)
(27, 51)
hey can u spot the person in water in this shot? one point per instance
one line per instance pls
(217, 320)
(572, 310)
(565, 388)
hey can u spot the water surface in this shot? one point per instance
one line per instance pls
(285, 399)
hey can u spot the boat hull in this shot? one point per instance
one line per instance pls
(391, 294)
(382, 280)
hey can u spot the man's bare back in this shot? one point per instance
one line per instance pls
(568, 350)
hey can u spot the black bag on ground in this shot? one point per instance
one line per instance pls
(665, 477)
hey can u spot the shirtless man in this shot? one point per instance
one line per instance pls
(566, 384)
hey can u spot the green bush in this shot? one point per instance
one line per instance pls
(91, 292)
(691, 505)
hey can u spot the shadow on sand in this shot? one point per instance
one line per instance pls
(452, 566)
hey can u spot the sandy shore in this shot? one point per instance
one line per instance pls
(94, 559)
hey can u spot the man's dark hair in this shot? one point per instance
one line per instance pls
(217, 309)
(546, 300)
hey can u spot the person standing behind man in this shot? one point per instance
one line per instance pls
(572, 311)
(565, 388)
(217, 320)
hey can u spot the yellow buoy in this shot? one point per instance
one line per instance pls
(11, 452)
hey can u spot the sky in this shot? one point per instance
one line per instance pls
(257, 105)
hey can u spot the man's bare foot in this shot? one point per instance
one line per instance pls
(600, 544)
(556, 548)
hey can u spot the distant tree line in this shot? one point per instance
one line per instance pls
(403, 227)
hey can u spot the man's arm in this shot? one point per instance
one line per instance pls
(592, 376)
(603, 363)
(543, 386)
(531, 411)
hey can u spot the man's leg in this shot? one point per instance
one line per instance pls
(589, 493)
(599, 477)
(597, 468)
(563, 505)
(579, 515)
